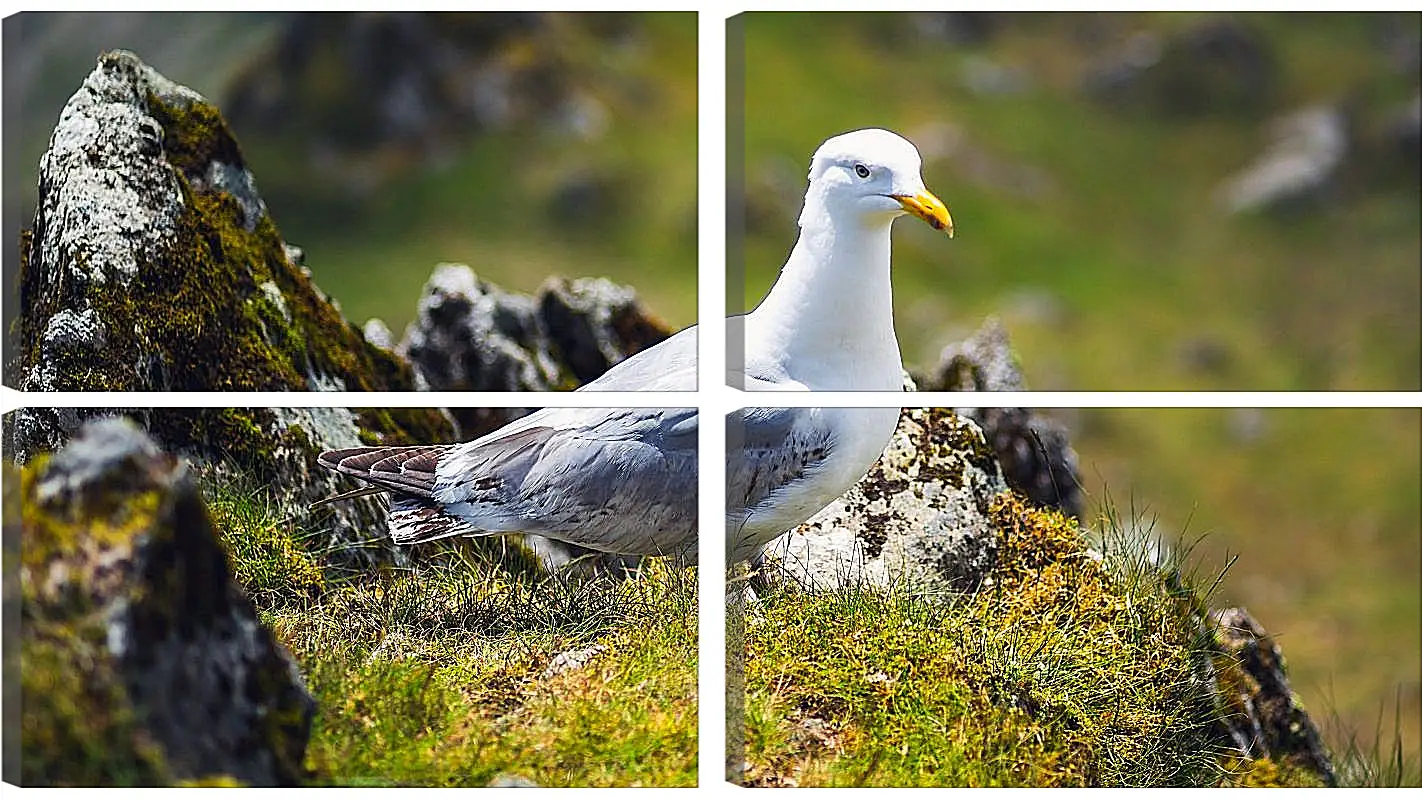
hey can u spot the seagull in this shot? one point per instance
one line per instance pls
(625, 480)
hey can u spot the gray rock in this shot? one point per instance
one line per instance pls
(152, 264)
(237, 182)
(981, 363)
(470, 335)
(378, 333)
(29, 431)
(127, 591)
(1035, 452)
(1298, 169)
(594, 323)
(69, 330)
(920, 517)
(572, 659)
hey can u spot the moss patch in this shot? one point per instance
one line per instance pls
(1070, 668)
(77, 724)
(1266, 773)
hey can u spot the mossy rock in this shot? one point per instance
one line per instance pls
(1035, 452)
(271, 450)
(1261, 713)
(141, 662)
(153, 264)
(1071, 663)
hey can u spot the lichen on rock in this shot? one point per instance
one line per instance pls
(920, 516)
(141, 661)
(1035, 451)
(153, 264)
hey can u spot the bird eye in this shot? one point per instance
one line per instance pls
(861, 170)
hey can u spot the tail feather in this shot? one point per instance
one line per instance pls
(414, 521)
(364, 491)
(408, 474)
(408, 470)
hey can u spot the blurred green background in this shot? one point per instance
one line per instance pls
(523, 144)
(1084, 179)
(1084, 158)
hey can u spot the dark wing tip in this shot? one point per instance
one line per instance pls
(401, 469)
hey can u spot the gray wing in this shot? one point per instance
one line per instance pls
(768, 450)
(616, 480)
(668, 367)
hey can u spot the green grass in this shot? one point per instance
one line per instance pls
(1379, 758)
(438, 675)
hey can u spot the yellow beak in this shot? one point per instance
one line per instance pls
(927, 208)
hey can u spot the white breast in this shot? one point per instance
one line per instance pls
(862, 435)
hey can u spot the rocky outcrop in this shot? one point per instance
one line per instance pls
(153, 264)
(1035, 452)
(934, 515)
(1262, 716)
(142, 662)
(919, 517)
(921, 513)
(470, 335)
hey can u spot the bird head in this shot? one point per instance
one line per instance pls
(871, 176)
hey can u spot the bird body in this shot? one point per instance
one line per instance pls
(614, 480)
(624, 480)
